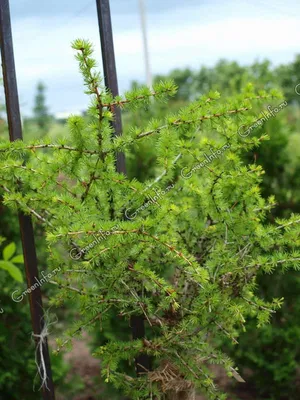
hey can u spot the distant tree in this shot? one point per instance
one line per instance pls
(40, 110)
(288, 78)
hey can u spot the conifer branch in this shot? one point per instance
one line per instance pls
(35, 171)
(136, 231)
(226, 332)
(180, 121)
(58, 147)
(29, 209)
(90, 322)
(258, 306)
(152, 94)
(288, 224)
(73, 289)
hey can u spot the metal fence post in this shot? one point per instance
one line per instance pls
(109, 68)
(26, 227)
(142, 361)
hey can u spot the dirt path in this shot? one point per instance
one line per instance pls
(83, 364)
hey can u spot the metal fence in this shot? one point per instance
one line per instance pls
(15, 133)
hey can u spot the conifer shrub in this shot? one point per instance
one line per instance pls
(181, 250)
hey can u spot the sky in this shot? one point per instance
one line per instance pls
(181, 33)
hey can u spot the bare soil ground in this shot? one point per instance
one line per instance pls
(83, 365)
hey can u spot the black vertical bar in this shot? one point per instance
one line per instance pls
(26, 228)
(109, 69)
(142, 362)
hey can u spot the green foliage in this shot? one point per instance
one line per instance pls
(183, 250)
(271, 354)
(17, 365)
(17, 361)
(273, 371)
(8, 262)
(229, 77)
(280, 157)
